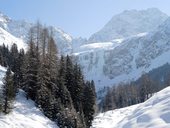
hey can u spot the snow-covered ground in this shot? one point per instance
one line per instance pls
(153, 113)
(110, 119)
(25, 115)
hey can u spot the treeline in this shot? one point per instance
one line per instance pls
(54, 82)
(132, 93)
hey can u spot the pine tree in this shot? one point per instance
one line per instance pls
(6, 56)
(71, 118)
(52, 58)
(63, 92)
(145, 87)
(77, 88)
(52, 55)
(69, 77)
(74, 86)
(56, 88)
(8, 91)
(31, 72)
(1, 57)
(14, 57)
(17, 62)
(89, 100)
(20, 68)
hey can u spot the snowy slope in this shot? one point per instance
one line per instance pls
(128, 23)
(110, 119)
(24, 113)
(153, 113)
(8, 39)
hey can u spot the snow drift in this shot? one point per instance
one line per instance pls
(153, 113)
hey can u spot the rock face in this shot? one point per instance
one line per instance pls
(129, 23)
(129, 59)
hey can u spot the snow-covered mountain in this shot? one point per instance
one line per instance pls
(128, 23)
(114, 62)
(123, 57)
(133, 42)
(20, 28)
(153, 113)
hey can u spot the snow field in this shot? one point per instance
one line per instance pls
(110, 119)
(153, 113)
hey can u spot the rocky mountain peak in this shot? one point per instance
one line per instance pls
(128, 23)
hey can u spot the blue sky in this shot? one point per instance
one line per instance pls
(77, 17)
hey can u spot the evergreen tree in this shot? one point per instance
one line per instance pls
(74, 85)
(89, 100)
(69, 77)
(8, 91)
(1, 57)
(52, 62)
(77, 88)
(57, 88)
(31, 72)
(14, 57)
(6, 55)
(20, 68)
(63, 92)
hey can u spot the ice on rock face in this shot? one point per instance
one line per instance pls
(110, 64)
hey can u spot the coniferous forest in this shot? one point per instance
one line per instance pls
(135, 92)
(53, 81)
